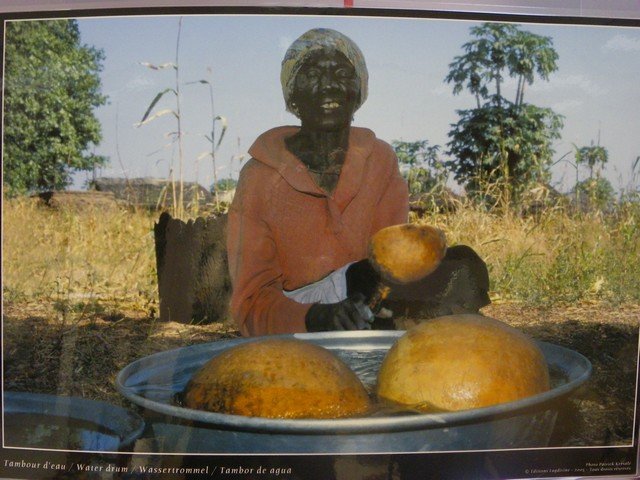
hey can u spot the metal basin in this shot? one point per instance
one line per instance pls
(35, 420)
(152, 382)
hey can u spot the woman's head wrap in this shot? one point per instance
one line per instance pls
(314, 40)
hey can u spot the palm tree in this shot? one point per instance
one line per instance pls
(499, 50)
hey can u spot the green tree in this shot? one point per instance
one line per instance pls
(593, 156)
(224, 185)
(502, 140)
(424, 170)
(505, 143)
(51, 88)
(598, 191)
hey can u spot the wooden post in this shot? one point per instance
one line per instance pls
(193, 273)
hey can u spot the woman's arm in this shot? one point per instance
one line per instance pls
(258, 304)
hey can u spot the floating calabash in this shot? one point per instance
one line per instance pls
(407, 252)
(460, 362)
(277, 378)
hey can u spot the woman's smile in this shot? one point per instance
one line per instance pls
(331, 105)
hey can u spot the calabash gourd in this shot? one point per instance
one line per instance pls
(277, 378)
(460, 362)
(406, 253)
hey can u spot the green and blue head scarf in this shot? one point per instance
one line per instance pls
(312, 41)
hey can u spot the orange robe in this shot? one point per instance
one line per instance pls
(285, 232)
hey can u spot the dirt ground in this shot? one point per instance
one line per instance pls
(80, 354)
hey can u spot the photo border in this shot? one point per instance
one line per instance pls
(548, 462)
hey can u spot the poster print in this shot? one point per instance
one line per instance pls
(125, 115)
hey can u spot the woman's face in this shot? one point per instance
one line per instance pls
(326, 91)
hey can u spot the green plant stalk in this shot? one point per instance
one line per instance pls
(180, 208)
(213, 149)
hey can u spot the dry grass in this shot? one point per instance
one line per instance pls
(97, 258)
(77, 257)
(82, 355)
(552, 256)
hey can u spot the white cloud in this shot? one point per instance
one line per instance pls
(581, 83)
(566, 106)
(140, 82)
(442, 90)
(623, 43)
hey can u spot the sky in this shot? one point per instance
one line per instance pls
(595, 87)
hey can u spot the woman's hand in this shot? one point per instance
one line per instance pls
(362, 278)
(349, 314)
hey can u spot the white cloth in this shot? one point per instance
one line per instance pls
(330, 289)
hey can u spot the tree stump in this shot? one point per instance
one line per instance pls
(193, 274)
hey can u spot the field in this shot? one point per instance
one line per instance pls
(80, 299)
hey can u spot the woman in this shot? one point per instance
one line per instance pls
(311, 197)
